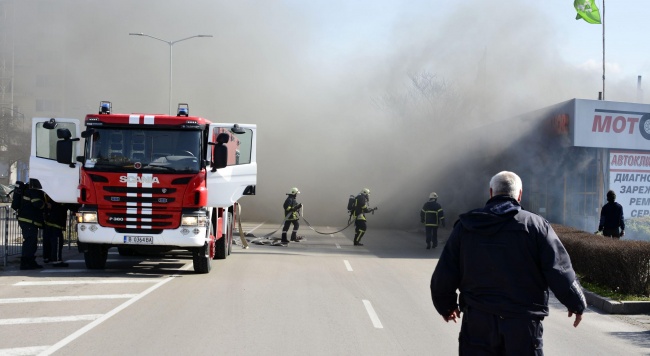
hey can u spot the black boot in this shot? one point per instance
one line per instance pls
(284, 238)
(34, 264)
(27, 263)
(428, 245)
(294, 237)
(24, 264)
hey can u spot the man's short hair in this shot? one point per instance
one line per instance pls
(506, 183)
(611, 196)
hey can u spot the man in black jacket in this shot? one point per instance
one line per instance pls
(611, 218)
(503, 260)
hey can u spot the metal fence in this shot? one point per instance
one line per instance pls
(12, 237)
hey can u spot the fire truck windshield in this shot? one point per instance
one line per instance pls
(111, 149)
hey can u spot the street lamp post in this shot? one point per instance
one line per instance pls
(171, 45)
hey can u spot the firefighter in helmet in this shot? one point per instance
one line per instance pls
(358, 213)
(291, 216)
(432, 216)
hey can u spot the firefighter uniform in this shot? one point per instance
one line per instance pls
(432, 216)
(55, 221)
(291, 216)
(30, 219)
(358, 214)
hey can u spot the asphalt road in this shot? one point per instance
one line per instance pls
(321, 296)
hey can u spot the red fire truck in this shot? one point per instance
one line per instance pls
(147, 183)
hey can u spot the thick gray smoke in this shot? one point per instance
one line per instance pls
(339, 106)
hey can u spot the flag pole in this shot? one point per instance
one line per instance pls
(603, 49)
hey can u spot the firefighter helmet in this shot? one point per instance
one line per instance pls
(294, 191)
(433, 195)
(365, 191)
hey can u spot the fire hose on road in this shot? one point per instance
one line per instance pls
(260, 240)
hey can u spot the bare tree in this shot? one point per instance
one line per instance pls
(14, 139)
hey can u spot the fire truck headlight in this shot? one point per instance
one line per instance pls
(87, 217)
(194, 220)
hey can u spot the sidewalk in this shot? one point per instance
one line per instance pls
(609, 306)
(13, 261)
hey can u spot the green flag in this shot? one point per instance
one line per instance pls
(587, 11)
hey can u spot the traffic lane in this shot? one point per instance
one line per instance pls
(396, 274)
(274, 301)
(597, 333)
(36, 313)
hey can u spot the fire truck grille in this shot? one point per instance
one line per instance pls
(124, 190)
(152, 200)
(156, 219)
(138, 231)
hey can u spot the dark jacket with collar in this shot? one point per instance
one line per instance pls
(503, 260)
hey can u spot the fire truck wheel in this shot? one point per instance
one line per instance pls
(221, 248)
(231, 229)
(202, 264)
(223, 245)
(95, 257)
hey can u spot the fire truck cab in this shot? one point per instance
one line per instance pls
(147, 183)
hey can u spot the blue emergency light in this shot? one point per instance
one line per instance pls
(105, 107)
(183, 110)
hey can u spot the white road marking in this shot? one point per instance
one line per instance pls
(337, 245)
(93, 281)
(347, 265)
(23, 351)
(51, 319)
(106, 316)
(373, 316)
(65, 298)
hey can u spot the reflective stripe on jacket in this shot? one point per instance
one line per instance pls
(289, 204)
(431, 214)
(360, 207)
(31, 210)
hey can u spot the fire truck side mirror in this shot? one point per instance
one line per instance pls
(220, 158)
(220, 152)
(64, 147)
(50, 125)
(64, 151)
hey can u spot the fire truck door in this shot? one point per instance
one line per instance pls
(58, 180)
(226, 185)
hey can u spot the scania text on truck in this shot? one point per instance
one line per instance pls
(147, 183)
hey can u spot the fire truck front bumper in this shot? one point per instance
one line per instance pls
(185, 236)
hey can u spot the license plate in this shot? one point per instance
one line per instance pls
(138, 240)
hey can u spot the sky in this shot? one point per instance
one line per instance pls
(627, 49)
(381, 94)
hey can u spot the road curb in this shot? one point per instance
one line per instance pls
(610, 306)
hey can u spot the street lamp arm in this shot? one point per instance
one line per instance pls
(171, 45)
(155, 38)
(187, 38)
